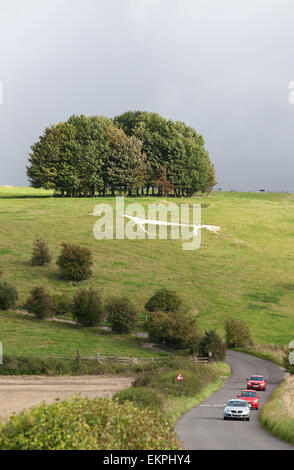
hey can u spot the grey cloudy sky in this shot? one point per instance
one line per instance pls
(222, 66)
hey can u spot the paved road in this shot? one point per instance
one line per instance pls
(203, 427)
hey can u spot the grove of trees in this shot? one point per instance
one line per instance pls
(134, 153)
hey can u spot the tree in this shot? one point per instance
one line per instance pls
(121, 314)
(163, 183)
(41, 254)
(237, 333)
(47, 154)
(180, 147)
(127, 166)
(212, 342)
(40, 303)
(88, 308)
(164, 300)
(75, 262)
(71, 157)
(8, 296)
(173, 330)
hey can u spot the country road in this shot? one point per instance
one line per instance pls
(203, 427)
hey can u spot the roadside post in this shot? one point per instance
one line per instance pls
(1, 353)
(180, 378)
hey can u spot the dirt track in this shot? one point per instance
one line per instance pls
(21, 392)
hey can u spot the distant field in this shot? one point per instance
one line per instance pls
(247, 271)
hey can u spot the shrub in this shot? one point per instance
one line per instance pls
(172, 330)
(88, 308)
(121, 314)
(164, 300)
(39, 303)
(142, 397)
(41, 253)
(237, 333)
(62, 305)
(211, 342)
(74, 262)
(8, 296)
(84, 424)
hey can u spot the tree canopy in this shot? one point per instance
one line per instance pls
(86, 156)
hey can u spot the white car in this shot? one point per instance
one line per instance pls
(237, 409)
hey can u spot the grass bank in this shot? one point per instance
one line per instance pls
(277, 416)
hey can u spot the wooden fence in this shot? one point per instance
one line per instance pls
(126, 359)
(117, 358)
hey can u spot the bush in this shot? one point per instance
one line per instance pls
(74, 262)
(84, 424)
(121, 315)
(164, 300)
(88, 308)
(62, 305)
(26, 365)
(39, 303)
(142, 397)
(8, 296)
(237, 333)
(211, 342)
(173, 330)
(41, 253)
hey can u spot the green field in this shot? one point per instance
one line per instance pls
(246, 271)
(32, 337)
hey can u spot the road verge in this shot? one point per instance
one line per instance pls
(277, 415)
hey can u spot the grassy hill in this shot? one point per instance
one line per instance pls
(245, 272)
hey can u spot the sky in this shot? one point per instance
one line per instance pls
(224, 67)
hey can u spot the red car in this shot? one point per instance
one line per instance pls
(251, 397)
(256, 382)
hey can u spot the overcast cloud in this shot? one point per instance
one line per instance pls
(221, 66)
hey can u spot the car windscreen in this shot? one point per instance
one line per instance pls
(255, 377)
(236, 403)
(248, 394)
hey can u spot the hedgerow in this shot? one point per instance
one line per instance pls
(84, 424)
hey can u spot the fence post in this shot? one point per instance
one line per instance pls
(79, 356)
(98, 356)
(116, 357)
(210, 356)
